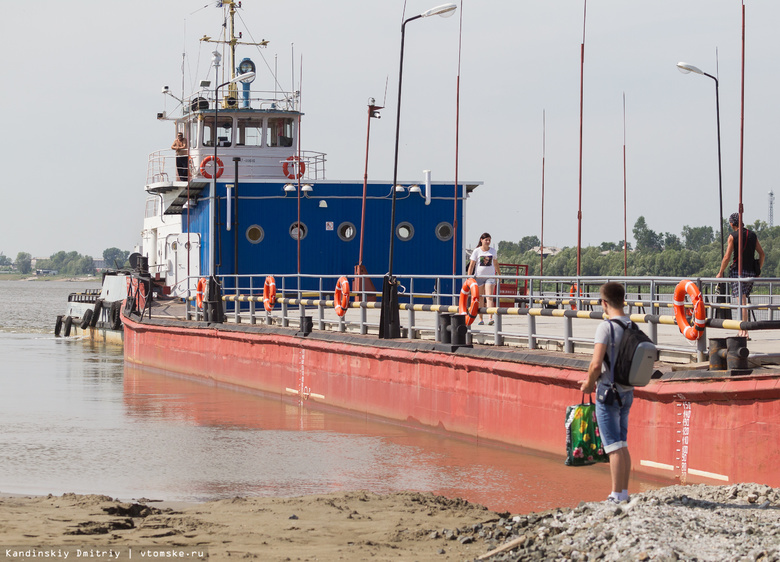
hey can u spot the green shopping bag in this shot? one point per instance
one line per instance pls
(583, 440)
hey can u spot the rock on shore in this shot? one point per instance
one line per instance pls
(737, 522)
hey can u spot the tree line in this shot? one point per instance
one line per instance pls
(65, 263)
(695, 252)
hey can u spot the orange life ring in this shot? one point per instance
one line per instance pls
(341, 296)
(469, 289)
(199, 288)
(291, 174)
(574, 289)
(699, 315)
(269, 293)
(206, 160)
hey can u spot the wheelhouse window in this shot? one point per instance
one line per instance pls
(249, 132)
(280, 131)
(193, 134)
(224, 131)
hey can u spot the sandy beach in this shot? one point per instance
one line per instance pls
(700, 522)
(341, 526)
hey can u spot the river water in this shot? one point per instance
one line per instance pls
(75, 418)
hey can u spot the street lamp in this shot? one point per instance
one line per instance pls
(389, 323)
(246, 77)
(686, 68)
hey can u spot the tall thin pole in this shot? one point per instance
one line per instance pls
(395, 157)
(625, 219)
(720, 171)
(372, 112)
(544, 150)
(582, 81)
(457, 144)
(741, 147)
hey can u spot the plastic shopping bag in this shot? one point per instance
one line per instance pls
(583, 440)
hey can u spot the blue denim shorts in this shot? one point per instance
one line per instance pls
(613, 422)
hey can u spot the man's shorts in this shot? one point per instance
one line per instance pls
(747, 287)
(613, 422)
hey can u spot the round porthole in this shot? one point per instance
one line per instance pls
(444, 231)
(404, 231)
(294, 227)
(347, 231)
(255, 234)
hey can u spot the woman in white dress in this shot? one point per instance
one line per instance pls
(483, 266)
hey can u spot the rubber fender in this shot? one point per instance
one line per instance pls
(58, 325)
(68, 324)
(96, 312)
(86, 319)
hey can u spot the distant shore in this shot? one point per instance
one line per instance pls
(673, 523)
(67, 278)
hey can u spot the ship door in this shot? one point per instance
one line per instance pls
(182, 253)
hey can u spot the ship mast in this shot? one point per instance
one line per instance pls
(232, 40)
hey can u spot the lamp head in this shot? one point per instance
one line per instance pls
(686, 68)
(445, 11)
(289, 187)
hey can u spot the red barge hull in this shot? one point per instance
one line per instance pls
(713, 430)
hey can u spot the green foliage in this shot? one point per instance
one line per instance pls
(4, 260)
(69, 263)
(115, 257)
(696, 253)
(23, 262)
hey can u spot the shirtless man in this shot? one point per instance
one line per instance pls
(180, 146)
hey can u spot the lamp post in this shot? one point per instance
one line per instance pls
(246, 77)
(686, 68)
(389, 324)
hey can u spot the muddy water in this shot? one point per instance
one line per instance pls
(75, 418)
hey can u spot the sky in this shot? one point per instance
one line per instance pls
(82, 88)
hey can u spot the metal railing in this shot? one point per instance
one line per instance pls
(564, 300)
(161, 167)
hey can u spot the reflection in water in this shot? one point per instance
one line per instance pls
(74, 418)
(270, 447)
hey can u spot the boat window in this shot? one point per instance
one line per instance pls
(152, 207)
(255, 234)
(193, 136)
(444, 231)
(224, 131)
(347, 231)
(404, 231)
(294, 230)
(280, 131)
(249, 132)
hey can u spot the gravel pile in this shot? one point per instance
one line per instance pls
(738, 522)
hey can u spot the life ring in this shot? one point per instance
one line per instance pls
(341, 296)
(199, 289)
(291, 174)
(699, 315)
(206, 160)
(572, 291)
(470, 288)
(269, 293)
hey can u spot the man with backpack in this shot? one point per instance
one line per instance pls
(613, 400)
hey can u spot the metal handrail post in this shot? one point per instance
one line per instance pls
(410, 333)
(285, 320)
(252, 319)
(531, 332)
(568, 344)
(363, 308)
(321, 307)
(497, 327)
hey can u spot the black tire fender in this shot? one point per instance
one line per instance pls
(96, 312)
(58, 325)
(86, 319)
(68, 324)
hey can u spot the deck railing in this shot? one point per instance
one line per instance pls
(517, 321)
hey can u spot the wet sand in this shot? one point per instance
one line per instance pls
(340, 526)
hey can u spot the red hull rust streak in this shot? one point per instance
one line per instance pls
(731, 424)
